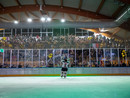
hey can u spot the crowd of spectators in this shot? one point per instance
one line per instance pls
(70, 41)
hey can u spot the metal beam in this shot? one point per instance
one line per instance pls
(26, 13)
(61, 3)
(44, 3)
(100, 6)
(4, 19)
(68, 10)
(125, 1)
(71, 18)
(33, 14)
(77, 17)
(12, 16)
(80, 4)
(17, 1)
(107, 34)
(53, 16)
(117, 11)
(116, 31)
(1, 6)
(36, 2)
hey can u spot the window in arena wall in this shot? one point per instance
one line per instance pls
(7, 32)
(62, 32)
(1, 33)
(66, 32)
(18, 31)
(56, 32)
(85, 32)
(72, 31)
(25, 32)
(13, 32)
(49, 30)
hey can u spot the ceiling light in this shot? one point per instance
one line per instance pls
(62, 20)
(29, 20)
(43, 19)
(16, 22)
(48, 19)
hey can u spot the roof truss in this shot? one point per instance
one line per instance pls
(67, 10)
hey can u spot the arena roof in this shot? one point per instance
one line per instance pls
(71, 10)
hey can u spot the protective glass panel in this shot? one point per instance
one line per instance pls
(57, 58)
(43, 58)
(72, 58)
(1, 59)
(79, 58)
(107, 58)
(93, 58)
(101, 58)
(128, 57)
(122, 57)
(29, 59)
(85, 57)
(50, 58)
(114, 57)
(14, 58)
(35, 58)
(6, 59)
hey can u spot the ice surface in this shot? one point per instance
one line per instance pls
(71, 87)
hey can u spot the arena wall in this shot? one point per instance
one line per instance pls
(56, 71)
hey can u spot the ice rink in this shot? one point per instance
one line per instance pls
(71, 87)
